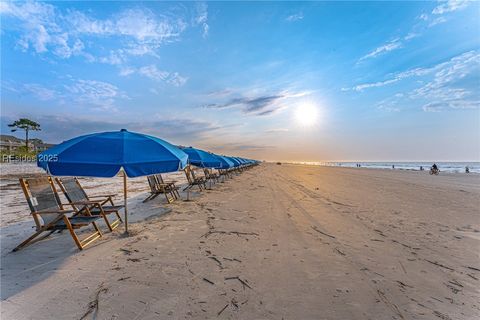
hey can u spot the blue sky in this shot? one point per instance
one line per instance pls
(386, 81)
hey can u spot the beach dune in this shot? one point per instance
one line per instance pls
(276, 242)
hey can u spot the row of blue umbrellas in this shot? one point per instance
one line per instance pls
(106, 154)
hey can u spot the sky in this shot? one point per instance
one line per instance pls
(291, 81)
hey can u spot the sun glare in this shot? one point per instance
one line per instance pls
(306, 115)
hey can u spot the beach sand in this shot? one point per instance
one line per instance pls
(275, 242)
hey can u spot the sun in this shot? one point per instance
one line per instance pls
(306, 114)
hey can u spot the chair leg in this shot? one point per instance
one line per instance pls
(166, 197)
(85, 242)
(148, 198)
(114, 224)
(31, 240)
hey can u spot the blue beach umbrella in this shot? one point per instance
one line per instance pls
(236, 163)
(201, 158)
(225, 162)
(105, 154)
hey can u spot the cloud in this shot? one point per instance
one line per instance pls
(458, 65)
(220, 93)
(31, 89)
(446, 7)
(201, 18)
(152, 72)
(452, 84)
(389, 104)
(411, 35)
(294, 17)
(276, 130)
(125, 71)
(436, 21)
(99, 94)
(439, 106)
(137, 31)
(389, 46)
(57, 128)
(40, 92)
(41, 29)
(237, 147)
(450, 6)
(259, 105)
(423, 17)
(139, 24)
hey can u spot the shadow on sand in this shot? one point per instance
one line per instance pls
(35, 263)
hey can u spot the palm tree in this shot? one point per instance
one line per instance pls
(27, 125)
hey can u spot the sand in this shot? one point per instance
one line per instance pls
(276, 242)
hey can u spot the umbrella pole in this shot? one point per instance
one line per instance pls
(125, 199)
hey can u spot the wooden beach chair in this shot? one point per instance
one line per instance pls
(49, 214)
(157, 188)
(102, 205)
(192, 180)
(171, 184)
(210, 176)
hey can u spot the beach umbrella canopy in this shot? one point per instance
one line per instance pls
(225, 163)
(236, 163)
(105, 154)
(202, 158)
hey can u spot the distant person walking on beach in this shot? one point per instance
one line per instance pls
(467, 169)
(393, 166)
(434, 169)
(421, 168)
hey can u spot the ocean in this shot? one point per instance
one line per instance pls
(453, 167)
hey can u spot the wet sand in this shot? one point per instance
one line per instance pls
(276, 242)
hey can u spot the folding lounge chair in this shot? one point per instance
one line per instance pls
(157, 188)
(210, 175)
(100, 205)
(192, 180)
(50, 216)
(170, 185)
(223, 173)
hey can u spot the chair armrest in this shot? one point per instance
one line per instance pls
(53, 211)
(103, 195)
(83, 202)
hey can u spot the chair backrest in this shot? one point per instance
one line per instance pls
(159, 178)
(152, 182)
(192, 172)
(41, 194)
(206, 173)
(72, 189)
(188, 171)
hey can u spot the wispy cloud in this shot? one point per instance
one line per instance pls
(436, 21)
(152, 72)
(35, 90)
(389, 46)
(96, 93)
(93, 94)
(260, 105)
(449, 84)
(426, 21)
(201, 18)
(450, 6)
(40, 92)
(294, 17)
(456, 65)
(238, 147)
(276, 130)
